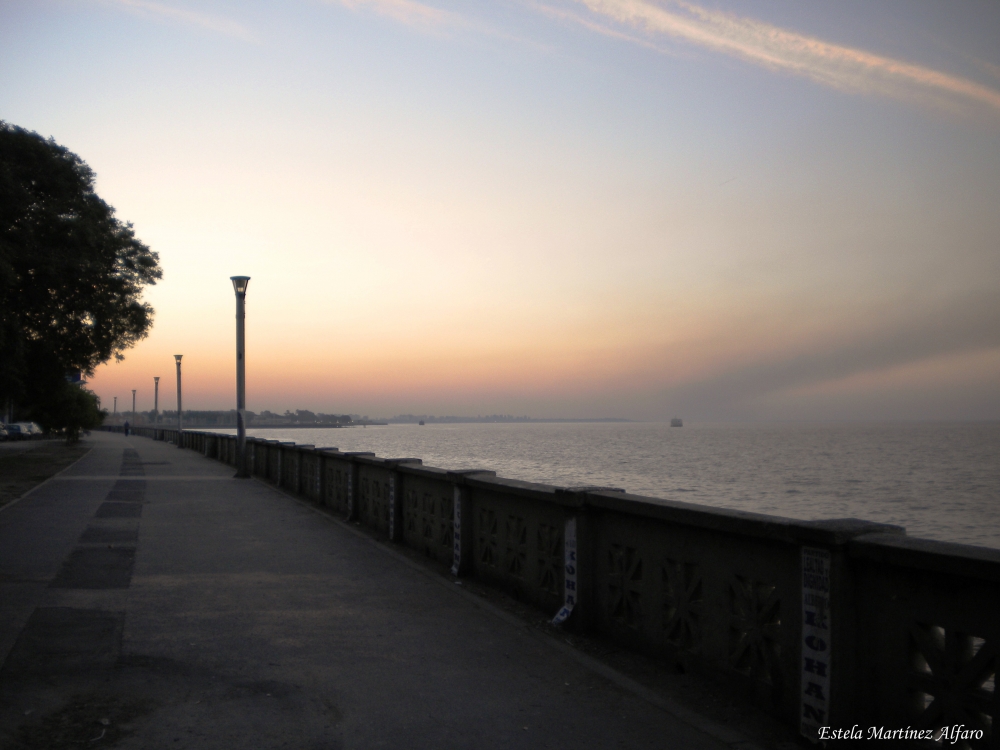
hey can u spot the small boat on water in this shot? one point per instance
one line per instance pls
(676, 422)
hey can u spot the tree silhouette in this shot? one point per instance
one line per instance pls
(71, 276)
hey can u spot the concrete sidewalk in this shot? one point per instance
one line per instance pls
(148, 600)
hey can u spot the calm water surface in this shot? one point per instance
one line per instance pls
(940, 481)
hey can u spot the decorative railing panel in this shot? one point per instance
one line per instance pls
(374, 481)
(931, 623)
(517, 541)
(310, 476)
(337, 470)
(428, 505)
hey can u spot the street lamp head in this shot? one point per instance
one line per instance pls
(156, 378)
(177, 358)
(240, 283)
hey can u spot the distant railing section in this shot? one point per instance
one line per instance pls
(826, 623)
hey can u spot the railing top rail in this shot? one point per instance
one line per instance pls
(533, 490)
(835, 531)
(370, 459)
(965, 560)
(426, 472)
(457, 476)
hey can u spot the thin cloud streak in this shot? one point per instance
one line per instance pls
(565, 15)
(217, 24)
(840, 67)
(428, 18)
(408, 12)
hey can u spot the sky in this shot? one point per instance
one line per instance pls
(756, 211)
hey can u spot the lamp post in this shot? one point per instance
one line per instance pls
(133, 408)
(240, 284)
(114, 414)
(156, 400)
(180, 426)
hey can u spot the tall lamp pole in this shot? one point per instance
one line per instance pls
(240, 284)
(180, 426)
(133, 408)
(114, 414)
(156, 400)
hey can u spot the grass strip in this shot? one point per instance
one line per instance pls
(22, 470)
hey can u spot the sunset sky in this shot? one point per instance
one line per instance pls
(764, 210)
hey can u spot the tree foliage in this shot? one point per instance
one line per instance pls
(59, 405)
(71, 274)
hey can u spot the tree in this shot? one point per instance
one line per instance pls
(71, 278)
(59, 404)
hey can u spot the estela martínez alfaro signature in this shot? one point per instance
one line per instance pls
(950, 734)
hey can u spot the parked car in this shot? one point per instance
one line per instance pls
(15, 432)
(34, 428)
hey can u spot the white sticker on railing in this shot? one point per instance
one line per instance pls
(815, 711)
(456, 561)
(569, 574)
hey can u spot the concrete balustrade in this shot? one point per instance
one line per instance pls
(824, 623)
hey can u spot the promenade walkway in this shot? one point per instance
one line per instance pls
(149, 600)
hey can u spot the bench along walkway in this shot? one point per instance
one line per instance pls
(147, 599)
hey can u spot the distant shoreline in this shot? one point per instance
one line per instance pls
(297, 426)
(289, 426)
(427, 420)
(486, 420)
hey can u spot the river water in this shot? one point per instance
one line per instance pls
(940, 481)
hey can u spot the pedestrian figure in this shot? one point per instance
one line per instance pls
(126, 428)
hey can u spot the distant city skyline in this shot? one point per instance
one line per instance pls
(566, 208)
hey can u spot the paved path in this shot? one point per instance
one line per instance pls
(149, 599)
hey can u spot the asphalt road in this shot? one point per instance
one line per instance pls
(150, 600)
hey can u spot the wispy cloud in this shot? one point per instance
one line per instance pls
(218, 24)
(408, 12)
(596, 26)
(428, 18)
(841, 67)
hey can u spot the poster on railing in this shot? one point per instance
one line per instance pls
(815, 642)
(569, 574)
